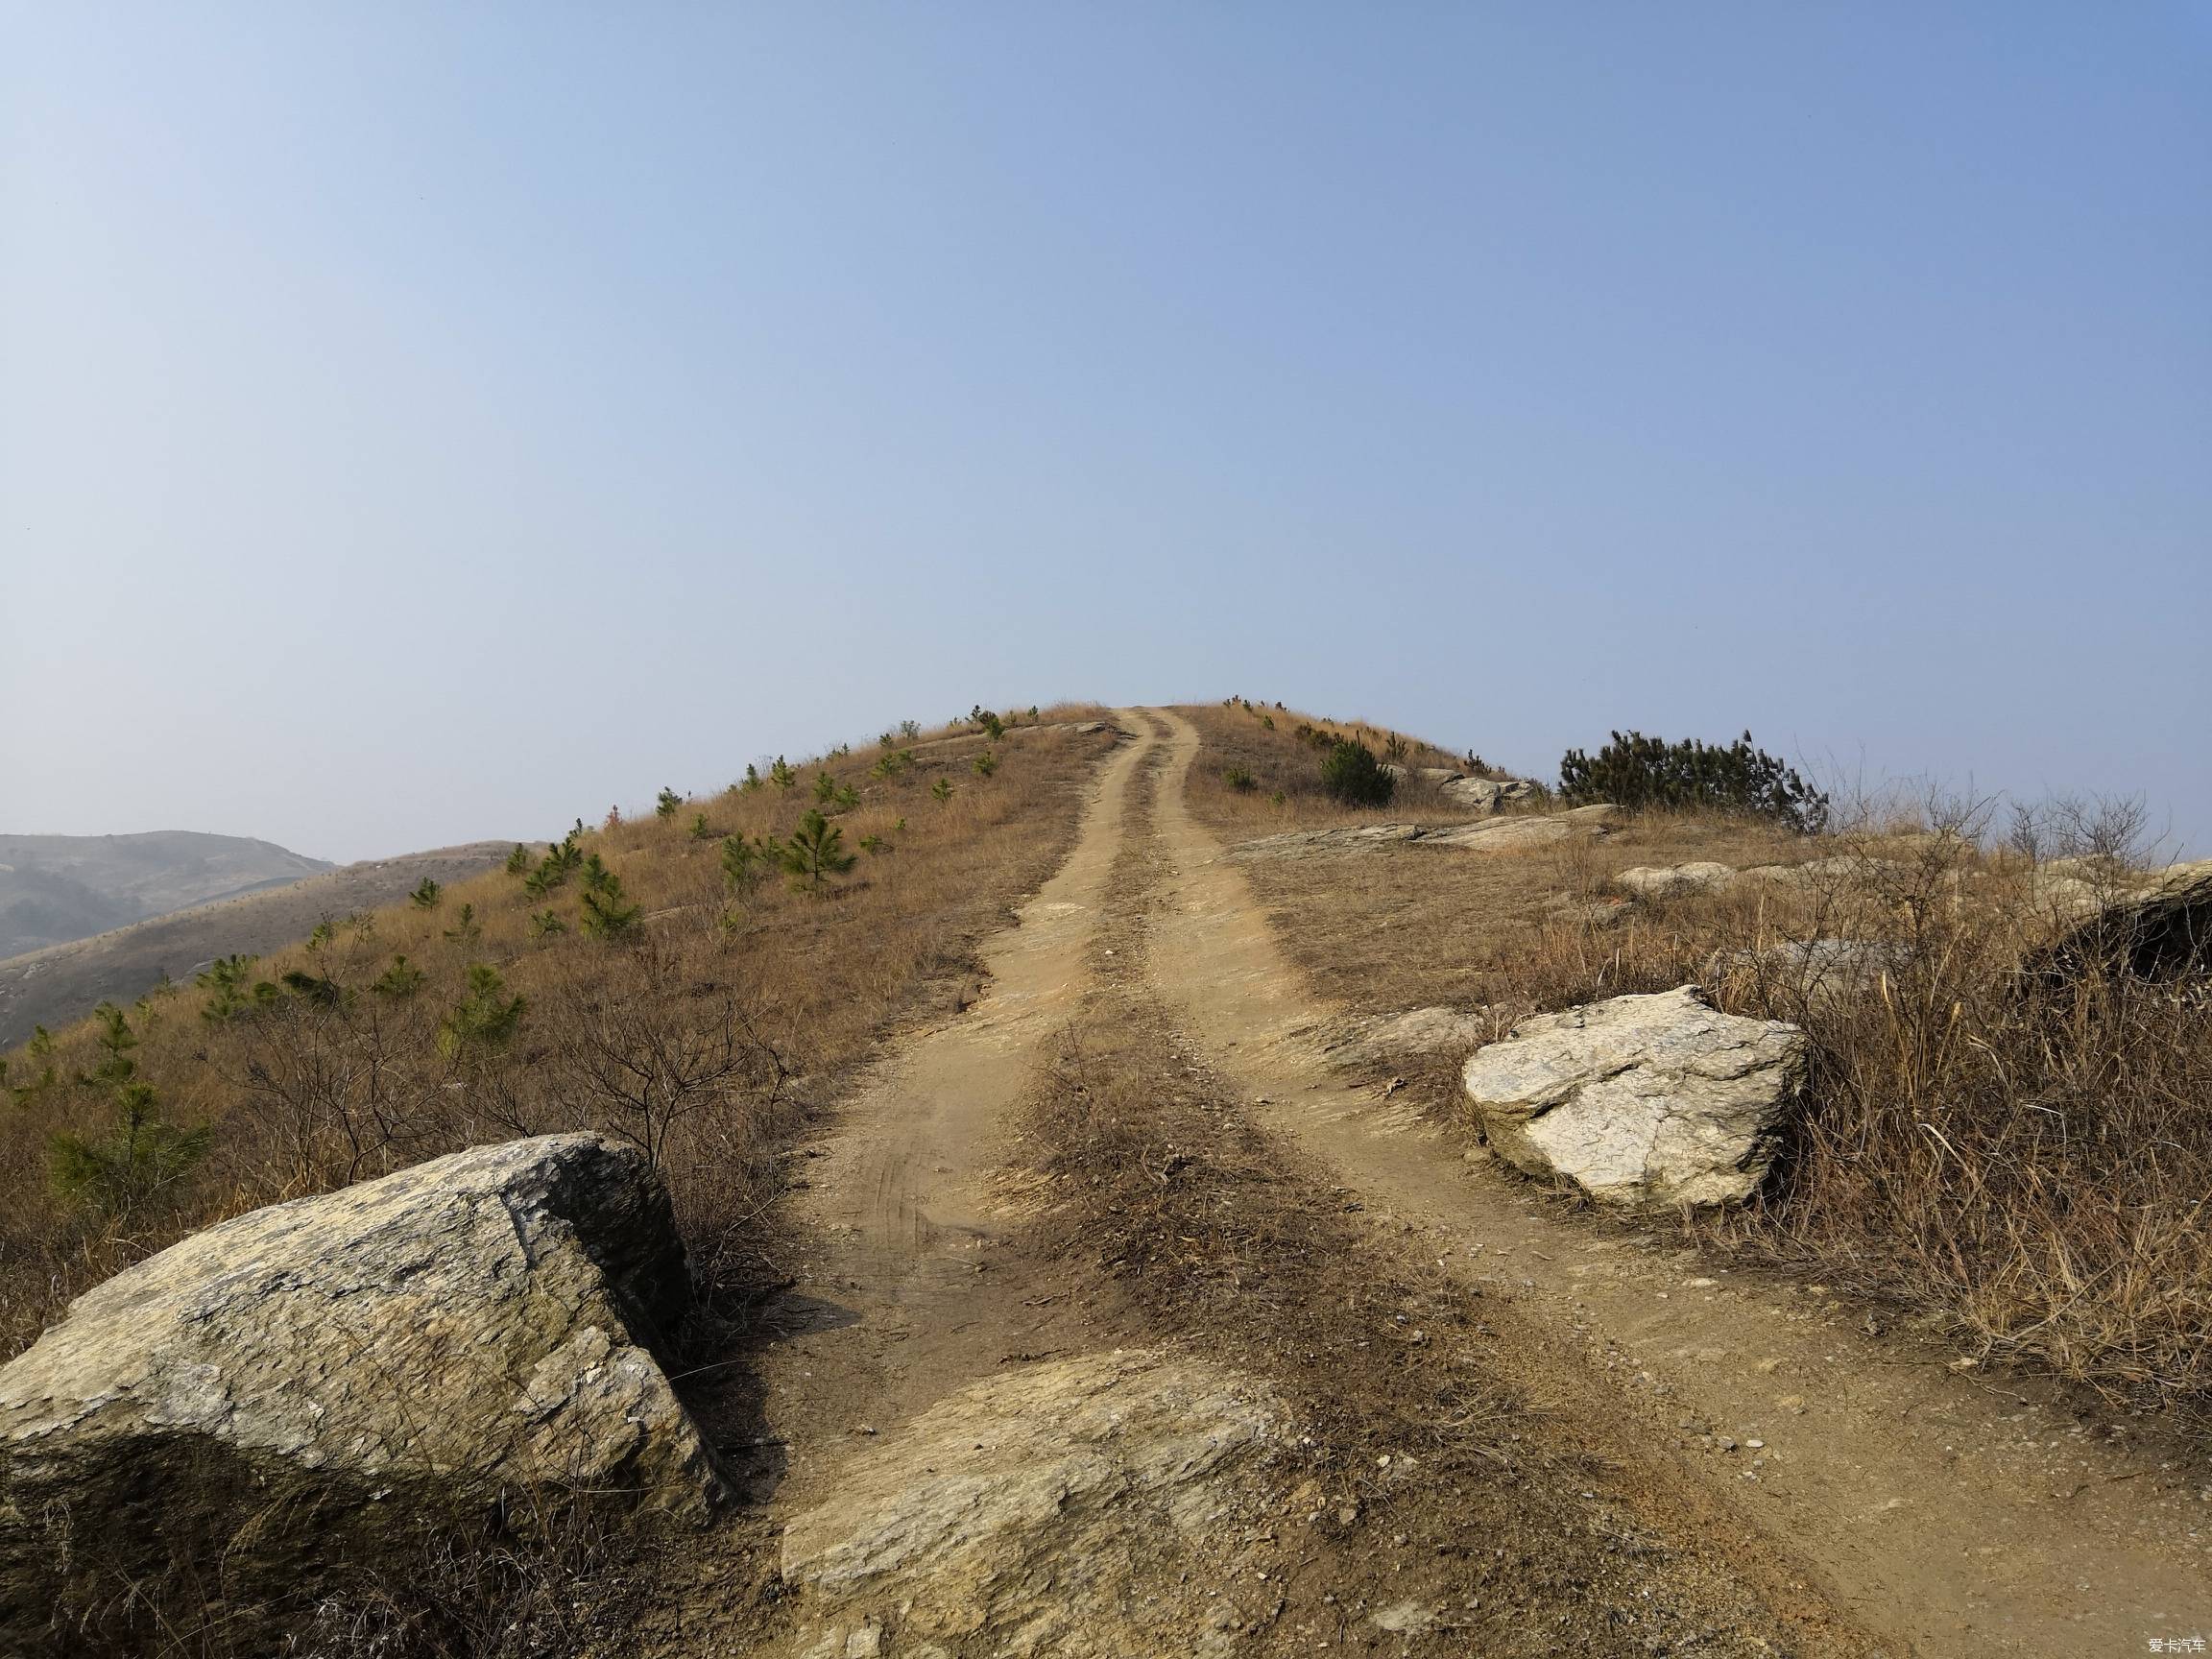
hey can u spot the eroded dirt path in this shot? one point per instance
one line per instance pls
(1081, 1360)
(896, 1302)
(1947, 1515)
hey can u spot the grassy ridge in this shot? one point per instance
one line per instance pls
(700, 1031)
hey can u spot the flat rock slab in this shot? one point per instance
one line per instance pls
(1670, 880)
(1508, 835)
(1434, 1030)
(1019, 1513)
(417, 1348)
(1642, 1102)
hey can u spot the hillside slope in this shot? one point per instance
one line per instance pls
(56, 888)
(63, 983)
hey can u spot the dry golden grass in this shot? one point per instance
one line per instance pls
(769, 999)
(1262, 742)
(2031, 1161)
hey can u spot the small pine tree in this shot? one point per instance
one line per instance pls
(666, 803)
(601, 913)
(595, 875)
(825, 788)
(400, 981)
(743, 862)
(228, 982)
(909, 729)
(941, 790)
(699, 830)
(319, 989)
(751, 778)
(781, 775)
(141, 1157)
(544, 923)
(465, 930)
(985, 763)
(427, 896)
(519, 860)
(484, 1020)
(1351, 774)
(816, 849)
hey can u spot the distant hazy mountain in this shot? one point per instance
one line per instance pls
(56, 888)
(54, 984)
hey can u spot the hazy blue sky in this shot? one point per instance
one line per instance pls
(421, 423)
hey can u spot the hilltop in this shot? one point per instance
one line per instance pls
(1094, 1181)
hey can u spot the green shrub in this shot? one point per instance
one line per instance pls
(427, 896)
(519, 860)
(1639, 772)
(544, 923)
(909, 729)
(742, 862)
(666, 803)
(781, 775)
(465, 930)
(319, 989)
(229, 981)
(400, 981)
(941, 790)
(1240, 780)
(985, 763)
(1351, 774)
(142, 1155)
(485, 1019)
(602, 914)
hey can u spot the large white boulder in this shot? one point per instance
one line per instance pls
(1644, 1102)
(412, 1351)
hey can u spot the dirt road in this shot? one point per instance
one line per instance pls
(1796, 1485)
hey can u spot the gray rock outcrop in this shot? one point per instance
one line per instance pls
(1644, 1102)
(406, 1351)
(1486, 794)
(2158, 927)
